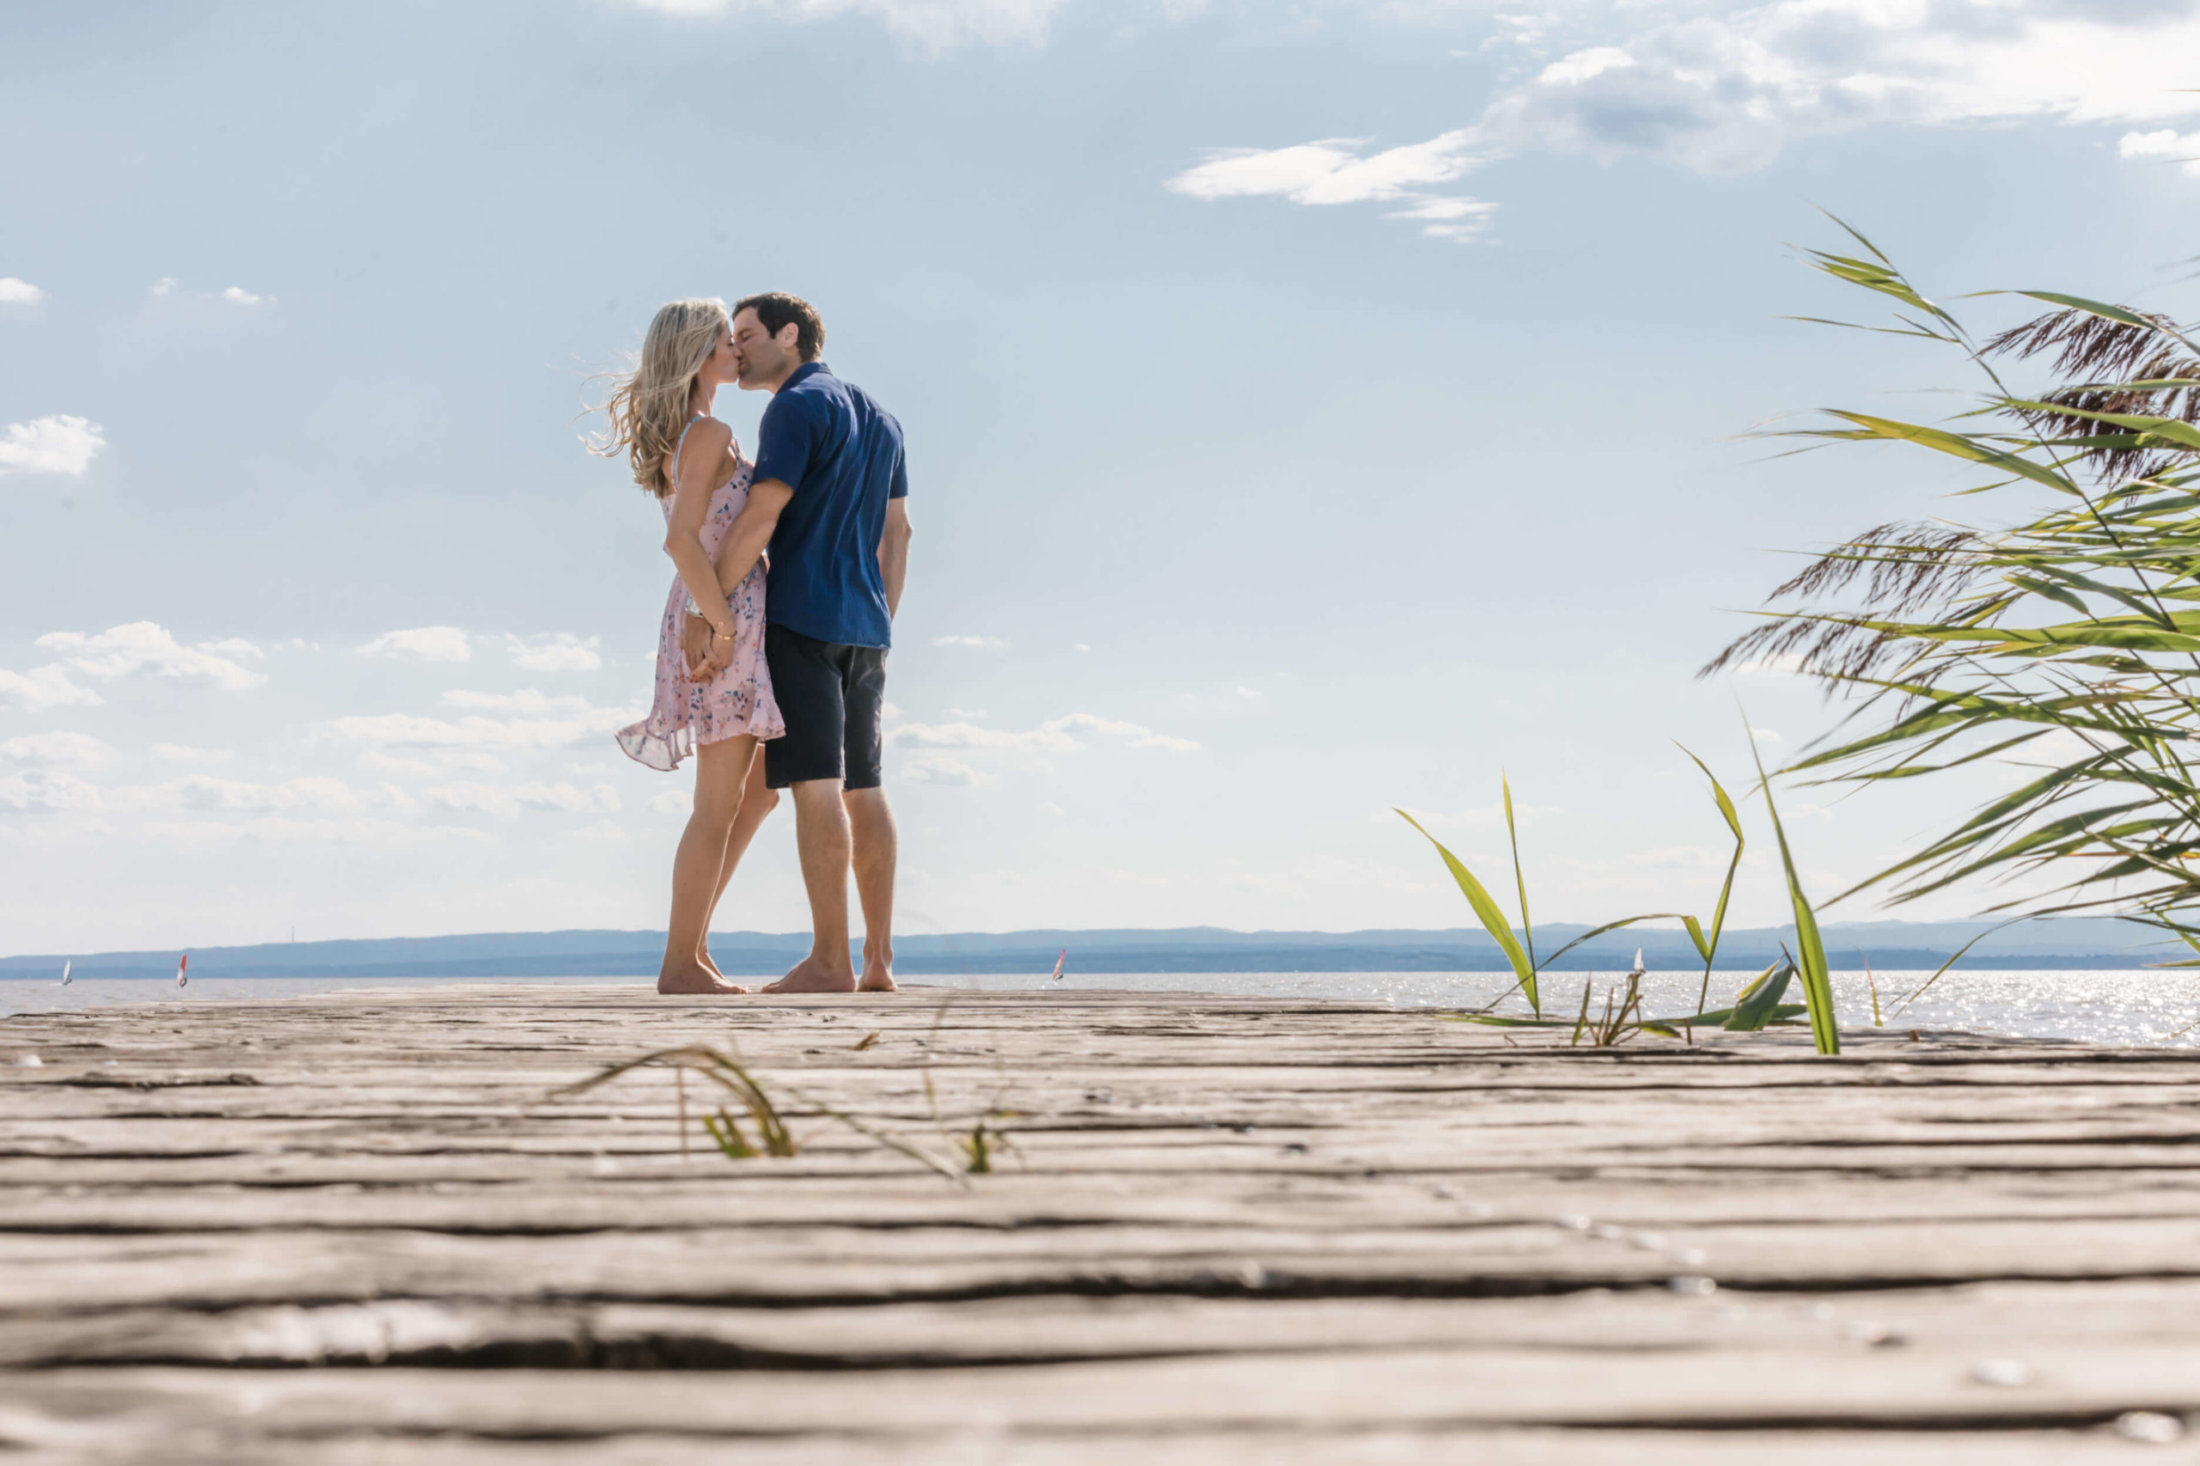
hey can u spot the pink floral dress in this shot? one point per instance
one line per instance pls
(739, 699)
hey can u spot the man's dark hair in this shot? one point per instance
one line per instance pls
(777, 310)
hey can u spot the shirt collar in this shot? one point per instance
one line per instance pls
(806, 370)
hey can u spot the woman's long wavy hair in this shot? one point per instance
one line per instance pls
(648, 407)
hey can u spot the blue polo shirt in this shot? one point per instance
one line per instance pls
(841, 454)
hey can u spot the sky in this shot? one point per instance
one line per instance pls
(1314, 407)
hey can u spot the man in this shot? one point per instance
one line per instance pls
(829, 496)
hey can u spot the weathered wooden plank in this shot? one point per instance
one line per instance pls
(1993, 1319)
(228, 1269)
(1372, 1389)
(90, 1196)
(1500, 1447)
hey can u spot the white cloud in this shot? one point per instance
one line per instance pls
(1136, 735)
(408, 730)
(285, 829)
(143, 646)
(43, 791)
(205, 793)
(1724, 87)
(509, 800)
(167, 287)
(933, 24)
(559, 651)
(1764, 735)
(2167, 145)
(1331, 172)
(177, 753)
(1043, 739)
(59, 444)
(940, 768)
(422, 643)
(549, 722)
(45, 687)
(19, 292)
(526, 700)
(199, 794)
(1584, 66)
(1335, 172)
(982, 641)
(57, 749)
(1058, 735)
(440, 761)
(672, 801)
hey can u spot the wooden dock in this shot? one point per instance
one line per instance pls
(355, 1229)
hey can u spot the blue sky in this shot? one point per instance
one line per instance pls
(1312, 408)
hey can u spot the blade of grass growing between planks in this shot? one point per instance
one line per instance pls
(1520, 876)
(1708, 948)
(1825, 1034)
(1761, 999)
(1492, 917)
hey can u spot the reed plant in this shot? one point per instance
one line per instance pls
(2046, 628)
(1621, 1018)
(1519, 949)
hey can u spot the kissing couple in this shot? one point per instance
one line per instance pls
(776, 632)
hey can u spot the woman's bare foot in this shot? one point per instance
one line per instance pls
(695, 980)
(810, 976)
(878, 979)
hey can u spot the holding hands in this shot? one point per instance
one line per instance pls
(706, 650)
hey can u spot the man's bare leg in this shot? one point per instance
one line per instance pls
(821, 835)
(877, 848)
(698, 867)
(758, 800)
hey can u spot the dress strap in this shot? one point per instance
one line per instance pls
(672, 464)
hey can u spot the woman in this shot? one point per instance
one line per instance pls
(661, 416)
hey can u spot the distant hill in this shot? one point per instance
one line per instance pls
(1889, 945)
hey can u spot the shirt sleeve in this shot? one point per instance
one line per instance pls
(900, 485)
(784, 440)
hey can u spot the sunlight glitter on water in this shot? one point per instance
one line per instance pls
(2110, 1007)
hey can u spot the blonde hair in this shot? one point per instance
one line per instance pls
(648, 407)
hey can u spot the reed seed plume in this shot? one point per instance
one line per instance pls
(2141, 366)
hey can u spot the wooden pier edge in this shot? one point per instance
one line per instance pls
(364, 1227)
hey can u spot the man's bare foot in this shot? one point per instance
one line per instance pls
(694, 981)
(877, 980)
(811, 976)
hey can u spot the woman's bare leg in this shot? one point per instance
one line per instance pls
(757, 803)
(698, 867)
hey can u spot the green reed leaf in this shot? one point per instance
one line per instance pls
(1486, 911)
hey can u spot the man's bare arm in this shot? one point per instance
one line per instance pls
(750, 532)
(745, 540)
(893, 553)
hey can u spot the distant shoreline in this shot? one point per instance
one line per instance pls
(1886, 946)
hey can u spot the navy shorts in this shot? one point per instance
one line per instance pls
(831, 697)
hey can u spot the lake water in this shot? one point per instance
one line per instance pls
(2112, 1007)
